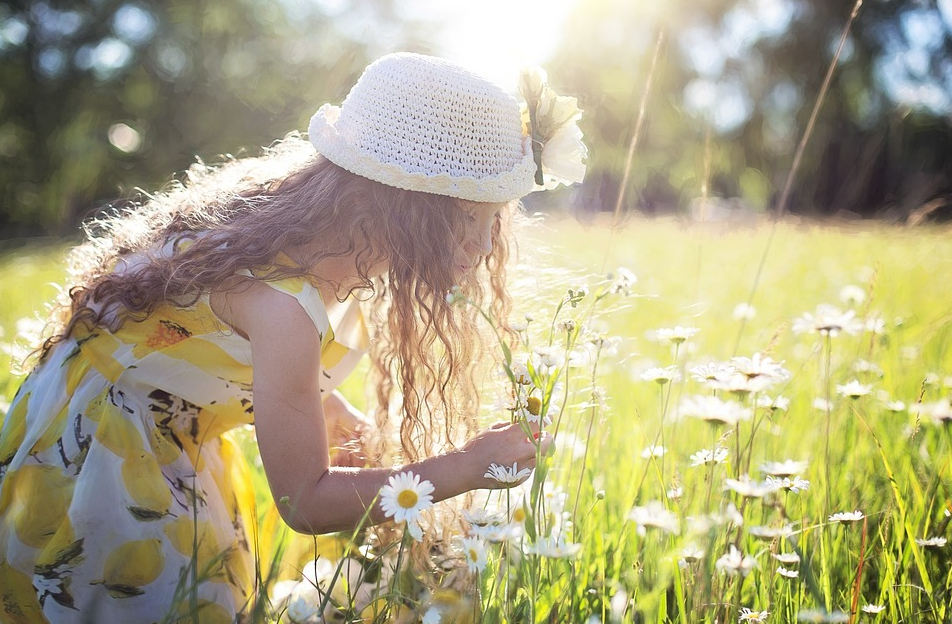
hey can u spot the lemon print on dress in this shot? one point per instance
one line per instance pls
(18, 601)
(131, 566)
(118, 433)
(200, 546)
(146, 485)
(36, 497)
(62, 549)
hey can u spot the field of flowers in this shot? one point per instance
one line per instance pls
(752, 424)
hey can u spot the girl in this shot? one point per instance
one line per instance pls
(232, 300)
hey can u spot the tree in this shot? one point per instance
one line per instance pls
(98, 98)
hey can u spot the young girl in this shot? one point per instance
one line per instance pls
(231, 300)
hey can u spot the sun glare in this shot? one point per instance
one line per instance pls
(497, 38)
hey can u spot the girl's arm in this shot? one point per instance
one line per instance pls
(312, 496)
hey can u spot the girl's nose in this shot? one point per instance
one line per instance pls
(481, 242)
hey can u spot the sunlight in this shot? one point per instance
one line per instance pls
(497, 38)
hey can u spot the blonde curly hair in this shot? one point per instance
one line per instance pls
(242, 213)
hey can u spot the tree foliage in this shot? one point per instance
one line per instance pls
(734, 87)
(99, 98)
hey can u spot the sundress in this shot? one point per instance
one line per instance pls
(123, 496)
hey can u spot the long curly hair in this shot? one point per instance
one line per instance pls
(194, 236)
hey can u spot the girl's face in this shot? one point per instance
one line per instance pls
(477, 239)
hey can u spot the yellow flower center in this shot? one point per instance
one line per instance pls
(407, 499)
(473, 555)
(518, 515)
(535, 405)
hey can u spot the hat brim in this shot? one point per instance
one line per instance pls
(502, 187)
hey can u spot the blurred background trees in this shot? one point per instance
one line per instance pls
(101, 97)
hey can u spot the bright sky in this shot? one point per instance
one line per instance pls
(496, 38)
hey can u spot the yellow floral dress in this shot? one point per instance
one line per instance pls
(123, 496)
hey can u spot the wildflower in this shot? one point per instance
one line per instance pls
(780, 403)
(304, 607)
(479, 516)
(504, 474)
(692, 553)
(770, 533)
(785, 468)
(828, 321)
(847, 517)
(675, 335)
(566, 326)
(662, 376)
(791, 485)
(405, 496)
(853, 389)
(790, 574)
(932, 542)
(654, 515)
(746, 615)
(520, 373)
(716, 373)
(875, 325)
(873, 609)
(735, 562)
(852, 295)
(654, 451)
(865, 367)
(554, 548)
(787, 558)
(894, 406)
(744, 312)
(760, 366)
(623, 281)
(715, 410)
(706, 457)
(675, 493)
(475, 552)
(749, 489)
(520, 326)
(548, 357)
(939, 412)
(822, 404)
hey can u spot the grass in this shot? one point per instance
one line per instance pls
(892, 465)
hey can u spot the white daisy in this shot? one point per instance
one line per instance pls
(746, 615)
(744, 312)
(749, 489)
(853, 389)
(786, 468)
(655, 515)
(932, 542)
(735, 562)
(787, 558)
(675, 335)
(713, 373)
(474, 549)
(405, 496)
(653, 451)
(553, 548)
(715, 410)
(662, 376)
(873, 609)
(770, 533)
(786, 573)
(852, 295)
(822, 405)
(791, 485)
(706, 457)
(827, 321)
(504, 474)
(847, 517)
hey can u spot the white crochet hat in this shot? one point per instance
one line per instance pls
(421, 123)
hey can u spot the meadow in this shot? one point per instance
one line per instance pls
(752, 423)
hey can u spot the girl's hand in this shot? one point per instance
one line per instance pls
(346, 427)
(504, 443)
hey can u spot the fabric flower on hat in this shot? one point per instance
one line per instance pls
(550, 122)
